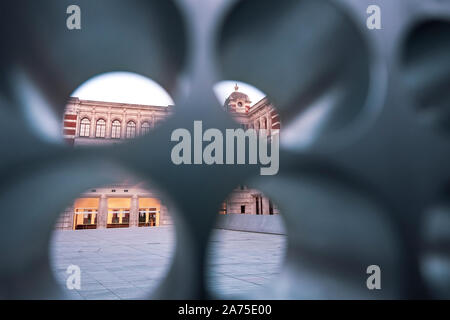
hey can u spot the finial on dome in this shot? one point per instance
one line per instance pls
(236, 87)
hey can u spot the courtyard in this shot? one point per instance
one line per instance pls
(129, 263)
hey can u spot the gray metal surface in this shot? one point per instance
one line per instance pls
(371, 187)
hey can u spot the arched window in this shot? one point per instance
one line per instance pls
(265, 123)
(115, 129)
(85, 127)
(131, 130)
(145, 128)
(100, 129)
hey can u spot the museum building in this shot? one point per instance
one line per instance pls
(130, 204)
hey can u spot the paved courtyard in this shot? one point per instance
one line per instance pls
(242, 263)
(130, 263)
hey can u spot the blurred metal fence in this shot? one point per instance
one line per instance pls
(370, 187)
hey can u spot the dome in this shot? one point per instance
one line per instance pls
(236, 98)
(236, 95)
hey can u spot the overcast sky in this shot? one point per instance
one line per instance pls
(132, 88)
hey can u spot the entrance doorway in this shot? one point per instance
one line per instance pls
(118, 218)
(147, 217)
(118, 213)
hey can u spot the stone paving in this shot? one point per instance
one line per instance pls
(243, 264)
(130, 263)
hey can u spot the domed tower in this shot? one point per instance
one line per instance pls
(237, 102)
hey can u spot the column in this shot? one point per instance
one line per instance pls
(134, 211)
(265, 205)
(158, 217)
(138, 125)
(123, 132)
(253, 206)
(77, 128)
(102, 212)
(93, 124)
(108, 124)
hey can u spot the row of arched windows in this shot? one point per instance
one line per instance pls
(116, 128)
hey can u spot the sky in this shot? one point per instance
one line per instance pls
(129, 87)
(224, 88)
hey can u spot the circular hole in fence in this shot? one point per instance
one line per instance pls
(113, 242)
(247, 246)
(115, 107)
(425, 66)
(335, 232)
(147, 37)
(286, 53)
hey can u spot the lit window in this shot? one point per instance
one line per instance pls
(100, 129)
(115, 129)
(85, 127)
(145, 128)
(131, 130)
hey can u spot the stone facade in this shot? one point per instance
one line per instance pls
(115, 206)
(248, 201)
(130, 204)
(94, 122)
(261, 115)
(120, 205)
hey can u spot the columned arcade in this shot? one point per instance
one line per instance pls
(115, 208)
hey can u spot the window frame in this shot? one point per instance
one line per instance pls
(145, 127)
(102, 127)
(85, 128)
(116, 129)
(130, 131)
